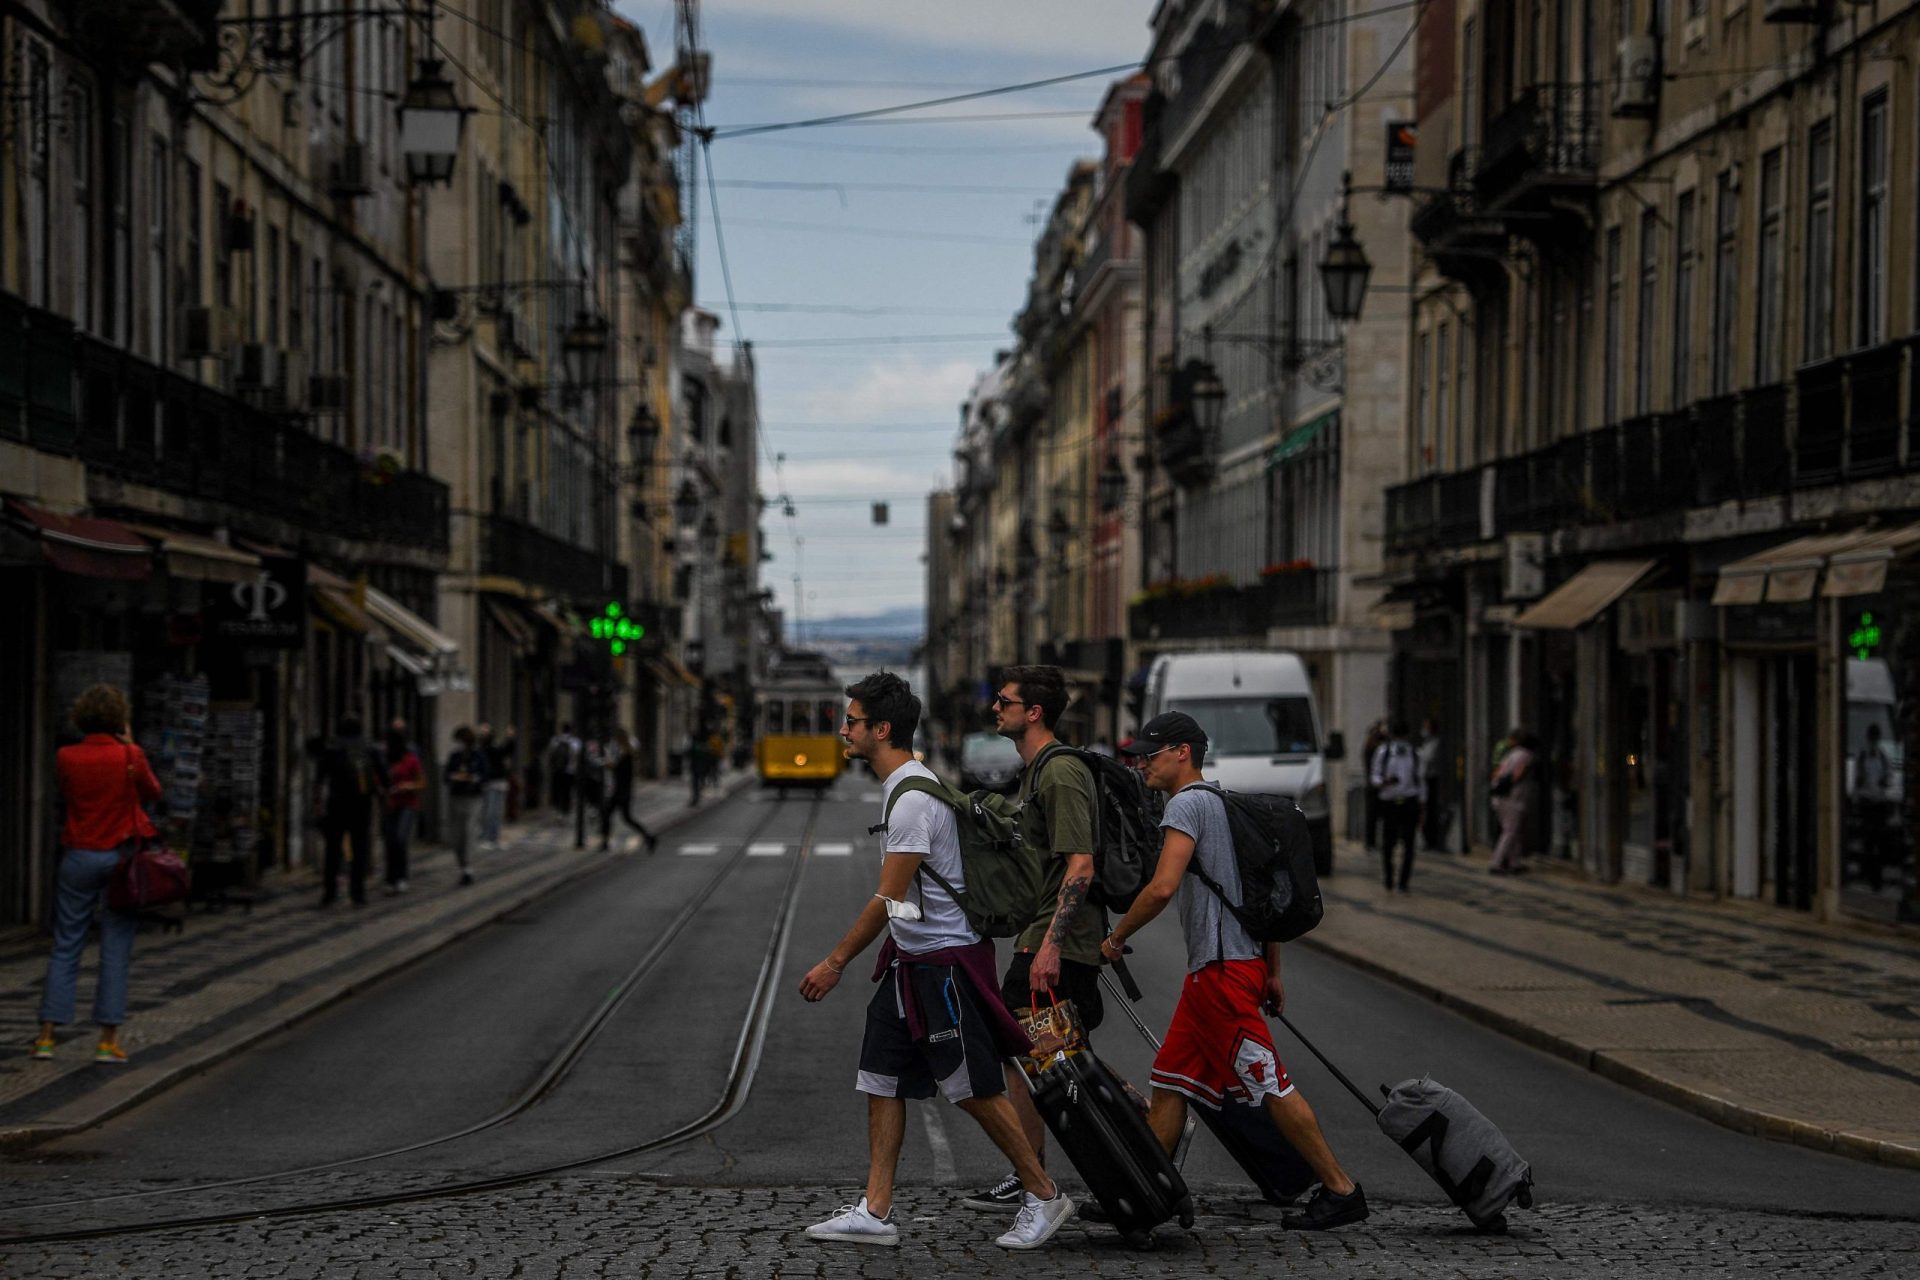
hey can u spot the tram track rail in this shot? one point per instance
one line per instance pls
(742, 1067)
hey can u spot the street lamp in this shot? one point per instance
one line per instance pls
(1345, 269)
(1206, 394)
(643, 435)
(1111, 487)
(686, 504)
(431, 121)
(584, 347)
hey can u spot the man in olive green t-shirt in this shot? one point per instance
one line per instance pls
(1059, 952)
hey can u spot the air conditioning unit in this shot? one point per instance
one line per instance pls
(1636, 85)
(327, 393)
(350, 175)
(206, 332)
(1794, 10)
(248, 364)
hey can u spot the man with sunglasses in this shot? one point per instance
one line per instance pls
(1218, 1046)
(934, 1024)
(1057, 956)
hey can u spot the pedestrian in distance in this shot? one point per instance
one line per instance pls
(619, 792)
(696, 765)
(1512, 788)
(1433, 766)
(1395, 775)
(493, 809)
(466, 774)
(935, 1023)
(1218, 1045)
(105, 782)
(1376, 737)
(563, 759)
(353, 789)
(1057, 956)
(1875, 810)
(406, 781)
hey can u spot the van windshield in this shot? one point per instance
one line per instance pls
(1253, 726)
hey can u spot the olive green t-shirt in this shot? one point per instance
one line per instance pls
(1056, 819)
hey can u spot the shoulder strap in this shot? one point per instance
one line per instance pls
(1193, 863)
(915, 783)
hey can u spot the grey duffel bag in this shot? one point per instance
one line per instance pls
(1460, 1149)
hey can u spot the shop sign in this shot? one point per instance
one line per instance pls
(267, 611)
(1525, 567)
(1864, 636)
(615, 629)
(1402, 135)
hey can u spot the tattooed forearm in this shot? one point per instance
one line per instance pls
(1073, 894)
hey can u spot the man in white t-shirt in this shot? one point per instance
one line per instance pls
(935, 1023)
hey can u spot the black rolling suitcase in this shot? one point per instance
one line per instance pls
(1462, 1151)
(1244, 1129)
(1110, 1145)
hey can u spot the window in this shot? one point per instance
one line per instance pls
(1469, 80)
(1771, 277)
(1649, 293)
(1726, 281)
(80, 131)
(1442, 401)
(1462, 407)
(1611, 368)
(159, 192)
(1685, 235)
(296, 312)
(192, 288)
(1422, 416)
(1871, 323)
(273, 286)
(1819, 310)
(222, 259)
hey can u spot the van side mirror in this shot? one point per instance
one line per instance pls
(1336, 748)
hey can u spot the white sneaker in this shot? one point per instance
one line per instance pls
(1038, 1220)
(855, 1225)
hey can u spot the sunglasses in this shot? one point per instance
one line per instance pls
(1002, 700)
(851, 721)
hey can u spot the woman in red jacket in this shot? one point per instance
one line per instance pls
(104, 779)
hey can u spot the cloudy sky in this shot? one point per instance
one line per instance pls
(876, 291)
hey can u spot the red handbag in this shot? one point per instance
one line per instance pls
(152, 875)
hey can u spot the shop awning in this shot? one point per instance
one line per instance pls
(405, 625)
(338, 603)
(407, 662)
(1786, 574)
(1861, 569)
(519, 631)
(87, 546)
(190, 555)
(671, 670)
(1586, 595)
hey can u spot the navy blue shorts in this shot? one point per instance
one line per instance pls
(957, 1058)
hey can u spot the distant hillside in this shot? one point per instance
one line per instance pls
(908, 624)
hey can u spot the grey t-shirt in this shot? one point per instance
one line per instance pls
(1212, 931)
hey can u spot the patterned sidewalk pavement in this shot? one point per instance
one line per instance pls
(232, 976)
(1768, 1024)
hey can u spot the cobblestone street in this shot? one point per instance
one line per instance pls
(593, 1226)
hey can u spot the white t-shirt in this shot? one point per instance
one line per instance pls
(922, 825)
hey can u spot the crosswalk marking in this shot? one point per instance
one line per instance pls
(698, 850)
(840, 850)
(766, 849)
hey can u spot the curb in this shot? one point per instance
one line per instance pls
(138, 1085)
(1722, 1111)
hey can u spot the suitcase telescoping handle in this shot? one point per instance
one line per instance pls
(1338, 1074)
(1146, 1032)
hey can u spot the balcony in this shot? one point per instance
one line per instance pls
(142, 31)
(1413, 514)
(1293, 598)
(517, 550)
(146, 425)
(1463, 240)
(1766, 461)
(1181, 448)
(1539, 154)
(1148, 185)
(1873, 411)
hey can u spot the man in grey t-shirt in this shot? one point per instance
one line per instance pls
(1218, 1047)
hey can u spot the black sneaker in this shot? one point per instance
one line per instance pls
(1004, 1194)
(1327, 1210)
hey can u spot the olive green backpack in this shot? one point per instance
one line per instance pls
(1004, 889)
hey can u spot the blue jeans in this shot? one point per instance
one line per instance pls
(495, 811)
(81, 884)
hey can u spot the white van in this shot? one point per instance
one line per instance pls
(1263, 726)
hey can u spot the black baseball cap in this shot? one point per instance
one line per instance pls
(1168, 729)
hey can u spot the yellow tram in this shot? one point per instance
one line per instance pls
(798, 741)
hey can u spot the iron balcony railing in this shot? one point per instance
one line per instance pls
(515, 549)
(1549, 133)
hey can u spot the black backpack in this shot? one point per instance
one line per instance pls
(1274, 852)
(1126, 837)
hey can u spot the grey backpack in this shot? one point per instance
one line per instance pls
(1459, 1148)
